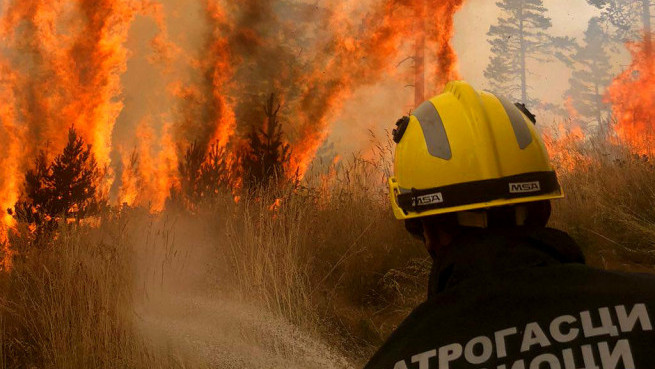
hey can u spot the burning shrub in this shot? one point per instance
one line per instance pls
(66, 189)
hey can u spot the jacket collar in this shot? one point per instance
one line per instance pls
(486, 251)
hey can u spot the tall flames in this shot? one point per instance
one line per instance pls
(61, 64)
(362, 54)
(61, 67)
(149, 170)
(632, 98)
(446, 67)
(11, 137)
(68, 61)
(632, 95)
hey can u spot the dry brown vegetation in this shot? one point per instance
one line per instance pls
(609, 207)
(317, 282)
(69, 304)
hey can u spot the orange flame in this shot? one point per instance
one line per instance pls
(574, 115)
(75, 79)
(165, 50)
(10, 160)
(276, 205)
(147, 178)
(562, 145)
(96, 60)
(208, 115)
(67, 58)
(632, 95)
(221, 73)
(64, 71)
(442, 34)
(359, 58)
(37, 94)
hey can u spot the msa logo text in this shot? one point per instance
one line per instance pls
(525, 187)
(435, 198)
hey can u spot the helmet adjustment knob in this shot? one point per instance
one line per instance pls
(524, 110)
(401, 127)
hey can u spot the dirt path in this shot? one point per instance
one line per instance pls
(225, 334)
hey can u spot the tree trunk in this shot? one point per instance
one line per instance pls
(598, 98)
(648, 40)
(522, 52)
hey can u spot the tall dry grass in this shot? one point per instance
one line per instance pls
(609, 206)
(352, 271)
(68, 303)
(329, 258)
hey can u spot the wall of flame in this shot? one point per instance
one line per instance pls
(136, 84)
(146, 78)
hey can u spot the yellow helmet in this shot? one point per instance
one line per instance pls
(465, 150)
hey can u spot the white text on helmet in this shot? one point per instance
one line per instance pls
(525, 187)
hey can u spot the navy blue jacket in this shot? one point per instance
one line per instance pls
(522, 298)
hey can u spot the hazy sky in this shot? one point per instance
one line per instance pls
(472, 23)
(392, 100)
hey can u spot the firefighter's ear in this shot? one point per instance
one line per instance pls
(439, 232)
(438, 240)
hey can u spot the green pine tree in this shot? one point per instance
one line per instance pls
(74, 180)
(37, 197)
(65, 189)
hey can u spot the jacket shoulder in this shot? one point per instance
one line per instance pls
(512, 301)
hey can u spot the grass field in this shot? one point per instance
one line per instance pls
(317, 282)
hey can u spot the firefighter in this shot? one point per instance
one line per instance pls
(472, 180)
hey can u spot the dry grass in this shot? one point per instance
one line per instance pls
(69, 304)
(609, 208)
(342, 268)
(330, 259)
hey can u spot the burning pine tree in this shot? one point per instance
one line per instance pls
(263, 162)
(203, 174)
(65, 189)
